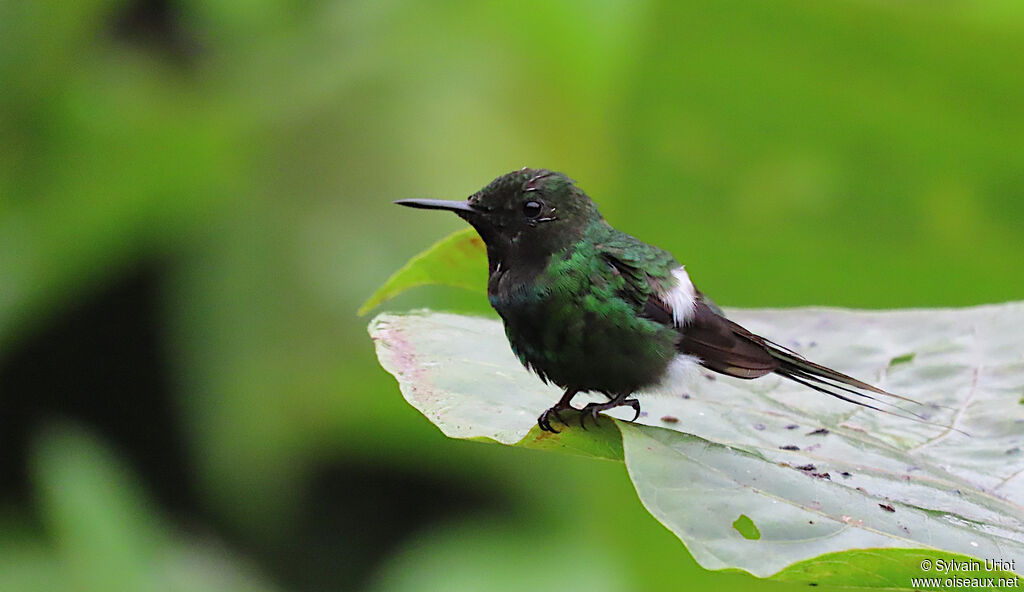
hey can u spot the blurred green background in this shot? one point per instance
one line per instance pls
(195, 198)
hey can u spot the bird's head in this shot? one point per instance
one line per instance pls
(525, 214)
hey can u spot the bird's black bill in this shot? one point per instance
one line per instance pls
(437, 204)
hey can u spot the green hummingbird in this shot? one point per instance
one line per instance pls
(593, 309)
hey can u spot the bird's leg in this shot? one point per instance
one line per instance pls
(544, 421)
(592, 409)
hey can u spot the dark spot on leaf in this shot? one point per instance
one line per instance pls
(709, 377)
(686, 395)
(670, 419)
(759, 426)
(1014, 450)
(846, 474)
(746, 527)
(792, 426)
(810, 522)
(812, 583)
(810, 470)
(862, 490)
(818, 432)
(789, 447)
(887, 507)
(904, 359)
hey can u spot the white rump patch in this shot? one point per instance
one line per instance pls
(682, 371)
(682, 297)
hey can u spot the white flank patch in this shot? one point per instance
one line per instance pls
(682, 297)
(682, 370)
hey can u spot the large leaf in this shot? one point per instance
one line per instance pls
(743, 471)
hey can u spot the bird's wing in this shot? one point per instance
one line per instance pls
(722, 345)
(646, 271)
(662, 291)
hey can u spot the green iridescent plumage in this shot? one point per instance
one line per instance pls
(586, 306)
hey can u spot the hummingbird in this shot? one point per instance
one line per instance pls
(592, 309)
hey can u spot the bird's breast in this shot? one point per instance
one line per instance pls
(574, 333)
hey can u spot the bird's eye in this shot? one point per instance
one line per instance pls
(532, 209)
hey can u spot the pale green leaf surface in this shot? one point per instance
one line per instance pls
(722, 458)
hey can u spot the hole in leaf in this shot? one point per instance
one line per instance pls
(904, 359)
(746, 527)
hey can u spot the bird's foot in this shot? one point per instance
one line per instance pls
(563, 404)
(544, 421)
(592, 409)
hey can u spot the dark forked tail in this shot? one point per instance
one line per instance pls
(826, 380)
(728, 348)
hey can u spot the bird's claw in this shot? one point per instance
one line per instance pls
(544, 421)
(593, 409)
(636, 408)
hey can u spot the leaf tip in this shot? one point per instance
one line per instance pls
(451, 261)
